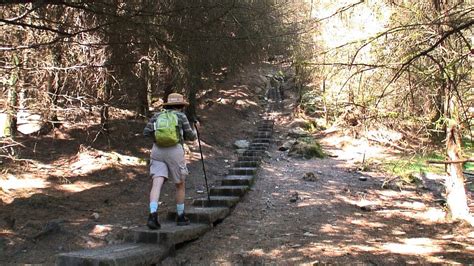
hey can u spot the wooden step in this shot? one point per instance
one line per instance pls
(262, 140)
(229, 191)
(246, 164)
(237, 180)
(122, 254)
(217, 201)
(253, 153)
(169, 233)
(249, 159)
(242, 171)
(206, 215)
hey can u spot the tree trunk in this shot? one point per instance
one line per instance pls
(191, 95)
(10, 130)
(455, 191)
(143, 90)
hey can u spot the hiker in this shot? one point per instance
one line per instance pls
(169, 128)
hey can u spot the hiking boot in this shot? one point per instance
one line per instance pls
(182, 220)
(152, 222)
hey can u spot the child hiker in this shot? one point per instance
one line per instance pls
(169, 128)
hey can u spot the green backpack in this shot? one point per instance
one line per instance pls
(166, 129)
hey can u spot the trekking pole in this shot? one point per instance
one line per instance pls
(202, 161)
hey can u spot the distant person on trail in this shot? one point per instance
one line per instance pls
(169, 128)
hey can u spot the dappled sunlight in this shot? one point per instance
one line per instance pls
(100, 230)
(79, 186)
(366, 223)
(331, 229)
(413, 205)
(14, 186)
(430, 216)
(12, 182)
(90, 160)
(414, 246)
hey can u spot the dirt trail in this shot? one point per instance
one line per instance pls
(332, 218)
(284, 219)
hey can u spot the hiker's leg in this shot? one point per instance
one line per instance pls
(155, 192)
(180, 192)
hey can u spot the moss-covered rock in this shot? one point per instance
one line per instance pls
(307, 148)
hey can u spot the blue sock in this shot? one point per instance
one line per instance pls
(180, 208)
(153, 207)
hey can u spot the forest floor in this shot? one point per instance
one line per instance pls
(74, 193)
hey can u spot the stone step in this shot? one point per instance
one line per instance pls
(242, 170)
(246, 164)
(237, 180)
(264, 129)
(217, 201)
(207, 215)
(229, 190)
(122, 254)
(169, 234)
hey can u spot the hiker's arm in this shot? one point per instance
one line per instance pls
(188, 132)
(149, 129)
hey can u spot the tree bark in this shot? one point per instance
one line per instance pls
(191, 95)
(455, 192)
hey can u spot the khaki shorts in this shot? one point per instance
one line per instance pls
(169, 163)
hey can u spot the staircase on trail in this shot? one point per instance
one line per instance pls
(142, 246)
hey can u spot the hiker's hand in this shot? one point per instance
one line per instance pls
(197, 124)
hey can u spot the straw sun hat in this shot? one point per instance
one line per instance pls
(175, 99)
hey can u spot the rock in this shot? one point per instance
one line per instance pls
(287, 145)
(3, 243)
(95, 216)
(369, 208)
(241, 151)
(51, 227)
(241, 144)
(294, 197)
(306, 150)
(297, 132)
(240, 103)
(298, 123)
(310, 176)
(10, 221)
